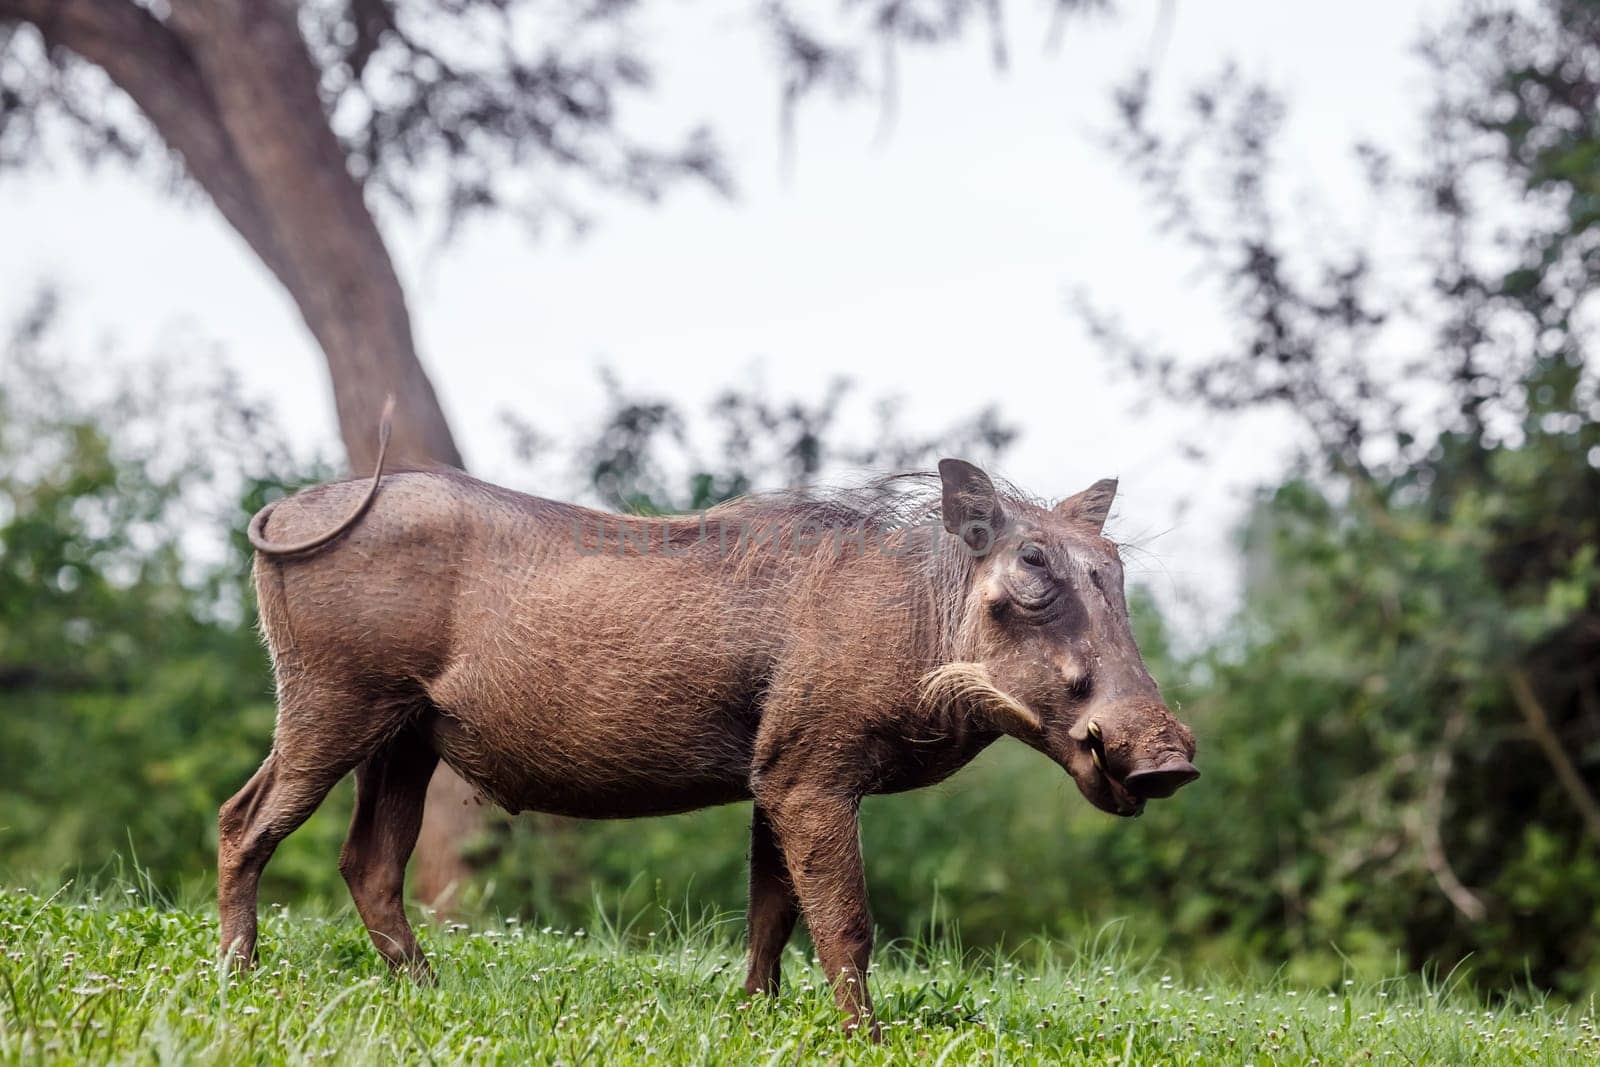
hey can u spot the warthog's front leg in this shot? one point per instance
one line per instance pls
(773, 907)
(819, 834)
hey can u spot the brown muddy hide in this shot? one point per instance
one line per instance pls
(1046, 628)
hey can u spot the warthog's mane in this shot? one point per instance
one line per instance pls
(886, 502)
(816, 529)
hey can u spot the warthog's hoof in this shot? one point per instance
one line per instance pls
(417, 968)
(867, 1028)
(236, 958)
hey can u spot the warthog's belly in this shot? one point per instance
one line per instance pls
(657, 768)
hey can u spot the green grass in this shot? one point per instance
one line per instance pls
(109, 978)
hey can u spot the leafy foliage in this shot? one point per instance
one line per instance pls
(470, 106)
(643, 458)
(134, 686)
(1415, 664)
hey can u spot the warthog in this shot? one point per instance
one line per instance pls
(798, 650)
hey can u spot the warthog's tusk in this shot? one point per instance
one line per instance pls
(1098, 762)
(970, 684)
(1094, 729)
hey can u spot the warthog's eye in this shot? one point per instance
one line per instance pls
(1032, 555)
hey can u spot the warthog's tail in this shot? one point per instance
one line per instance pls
(272, 548)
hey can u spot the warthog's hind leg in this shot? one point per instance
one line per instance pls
(272, 804)
(323, 732)
(391, 787)
(773, 907)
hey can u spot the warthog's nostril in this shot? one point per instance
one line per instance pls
(1153, 783)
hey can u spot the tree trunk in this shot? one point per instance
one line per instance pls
(339, 272)
(345, 284)
(230, 86)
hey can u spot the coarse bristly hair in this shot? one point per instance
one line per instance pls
(894, 507)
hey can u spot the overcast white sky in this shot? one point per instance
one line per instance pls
(931, 262)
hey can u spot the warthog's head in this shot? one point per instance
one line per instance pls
(1044, 649)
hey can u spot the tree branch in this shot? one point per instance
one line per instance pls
(264, 85)
(1465, 900)
(1566, 773)
(145, 59)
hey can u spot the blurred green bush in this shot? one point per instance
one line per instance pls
(1359, 728)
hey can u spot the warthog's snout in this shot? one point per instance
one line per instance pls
(1136, 752)
(1163, 780)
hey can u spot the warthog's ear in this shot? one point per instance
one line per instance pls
(1092, 505)
(971, 506)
